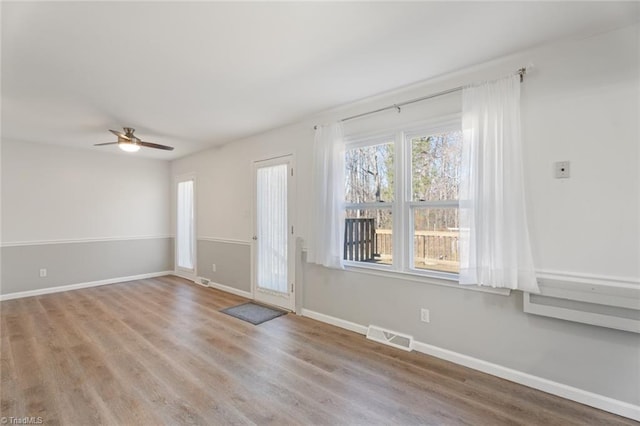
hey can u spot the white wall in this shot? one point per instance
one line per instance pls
(583, 107)
(59, 193)
(224, 179)
(579, 103)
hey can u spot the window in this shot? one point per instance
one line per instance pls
(435, 178)
(369, 197)
(408, 224)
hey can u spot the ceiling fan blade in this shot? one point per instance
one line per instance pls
(108, 143)
(155, 145)
(120, 134)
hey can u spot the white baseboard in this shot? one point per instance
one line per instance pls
(601, 402)
(348, 325)
(226, 288)
(78, 286)
(568, 392)
(185, 275)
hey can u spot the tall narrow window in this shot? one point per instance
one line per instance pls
(185, 239)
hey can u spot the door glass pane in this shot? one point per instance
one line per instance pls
(184, 234)
(272, 228)
(435, 239)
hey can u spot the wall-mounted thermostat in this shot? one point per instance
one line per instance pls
(562, 169)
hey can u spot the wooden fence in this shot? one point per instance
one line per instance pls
(427, 245)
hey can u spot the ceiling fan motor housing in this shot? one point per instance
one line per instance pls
(128, 131)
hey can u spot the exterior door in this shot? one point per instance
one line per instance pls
(273, 233)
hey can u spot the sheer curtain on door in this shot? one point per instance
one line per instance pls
(272, 224)
(185, 227)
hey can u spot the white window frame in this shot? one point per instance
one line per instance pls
(403, 206)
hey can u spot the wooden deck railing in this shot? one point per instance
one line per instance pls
(359, 239)
(363, 243)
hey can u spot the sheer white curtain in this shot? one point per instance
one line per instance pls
(327, 198)
(272, 228)
(185, 219)
(494, 240)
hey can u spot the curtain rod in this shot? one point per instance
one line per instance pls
(521, 72)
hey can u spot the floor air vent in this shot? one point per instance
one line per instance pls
(391, 338)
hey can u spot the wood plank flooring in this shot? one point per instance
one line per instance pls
(158, 351)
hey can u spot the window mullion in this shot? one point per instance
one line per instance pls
(358, 206)
(408, 197)
(401, 189)
(435, 204)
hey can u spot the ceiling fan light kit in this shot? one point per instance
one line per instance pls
(128, 146)
(130, 143)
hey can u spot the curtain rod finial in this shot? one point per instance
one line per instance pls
(522, 72)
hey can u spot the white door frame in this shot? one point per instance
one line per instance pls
(260, 295)
(190, 274)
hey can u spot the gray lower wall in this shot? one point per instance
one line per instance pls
(232, 260)
(485, 326)
(74, 263)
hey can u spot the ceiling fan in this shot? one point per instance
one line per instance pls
(130, 143)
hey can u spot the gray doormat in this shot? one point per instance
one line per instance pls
(253, 313)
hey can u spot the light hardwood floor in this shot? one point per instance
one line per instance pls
(158, 351)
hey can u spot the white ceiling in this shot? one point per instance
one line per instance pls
(194, 75)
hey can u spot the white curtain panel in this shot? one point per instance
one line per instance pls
(494, 240)
(272, 228)
(327, 198)
(185, 221)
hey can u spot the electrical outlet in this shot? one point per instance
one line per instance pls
(424, 315)
(213, 267)
(562, 169)
(43, 272)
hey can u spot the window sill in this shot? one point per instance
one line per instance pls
(421, 278)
